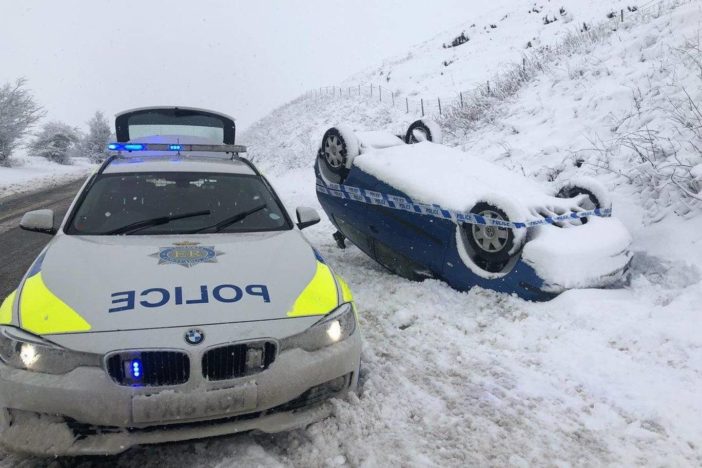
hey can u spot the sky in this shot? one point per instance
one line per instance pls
(243, 58)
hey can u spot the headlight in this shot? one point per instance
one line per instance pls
(333, 328)
(25, 351)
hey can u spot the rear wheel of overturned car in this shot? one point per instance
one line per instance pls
(423, 130)
(339, 144)
(491, 245)
(572, 191)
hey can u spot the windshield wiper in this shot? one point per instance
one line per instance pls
(139, 225)
(233, 219)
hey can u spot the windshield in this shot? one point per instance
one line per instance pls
(177, 203)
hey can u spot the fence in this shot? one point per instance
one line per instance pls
(439, 106)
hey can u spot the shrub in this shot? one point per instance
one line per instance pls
(54, 142)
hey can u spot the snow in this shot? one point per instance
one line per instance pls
(377, 139)
(580, 257)
(594, 377)
(422, 71)
(432, 173)
(33, 173)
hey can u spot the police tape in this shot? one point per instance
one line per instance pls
(394, 202)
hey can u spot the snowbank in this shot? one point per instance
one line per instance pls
(32, 173)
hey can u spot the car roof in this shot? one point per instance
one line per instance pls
(151, 161)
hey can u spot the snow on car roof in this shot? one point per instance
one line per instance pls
(436, 174)
(169, 162)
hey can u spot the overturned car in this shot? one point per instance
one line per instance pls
(424, 210)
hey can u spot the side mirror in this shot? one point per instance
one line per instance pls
(306, 217)
(39, 221)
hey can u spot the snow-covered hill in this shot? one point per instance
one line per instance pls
(594, 377)
(494, 36)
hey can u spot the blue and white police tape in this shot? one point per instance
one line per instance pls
(403, 204)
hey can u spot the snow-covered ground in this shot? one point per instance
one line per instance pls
(594, 377)
(28, 174)
(591, 378)
(496, 36)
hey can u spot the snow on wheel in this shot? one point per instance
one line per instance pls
(492, 247)
(423, 130)
(339, 147)
(596, 195)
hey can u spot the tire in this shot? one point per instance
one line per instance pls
(423, 130)
(491, 245)
(574, 191)
(339, 146)
(570, 191)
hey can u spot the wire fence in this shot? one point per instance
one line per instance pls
(440, 106)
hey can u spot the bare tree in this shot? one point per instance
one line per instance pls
(54, 142)
(18, 112)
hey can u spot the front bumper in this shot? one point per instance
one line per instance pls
(85, 413)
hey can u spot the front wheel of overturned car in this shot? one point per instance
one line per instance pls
(339, 146)
(423, 130)
(491, 246)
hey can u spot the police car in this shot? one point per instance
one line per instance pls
(424, 210)
(176, 300)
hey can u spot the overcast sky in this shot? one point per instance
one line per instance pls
(243, 58)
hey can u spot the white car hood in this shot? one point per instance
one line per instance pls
(104, 279)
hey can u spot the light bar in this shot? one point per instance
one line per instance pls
(175, 147)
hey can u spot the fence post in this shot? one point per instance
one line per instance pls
(461, 94)
(407, 104)
(439, 101)
(422, 100)
(380, 92)
(524, 64)
(371, 87)
(488, 85)
(622, 15)
(392, 93)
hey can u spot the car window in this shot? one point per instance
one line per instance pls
(116, 201)
(180, 123)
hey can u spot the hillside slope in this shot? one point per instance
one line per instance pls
(594, 377)
(494, 36)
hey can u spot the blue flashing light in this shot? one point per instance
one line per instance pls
(175, 147)
(113, 147)
(136, 369)
(134, 147)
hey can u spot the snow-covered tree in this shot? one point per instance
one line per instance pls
(94, 144)
(18, 112)
(54, 142)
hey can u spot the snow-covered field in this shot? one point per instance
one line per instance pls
(591, 378)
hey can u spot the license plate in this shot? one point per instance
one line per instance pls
(171, 405)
